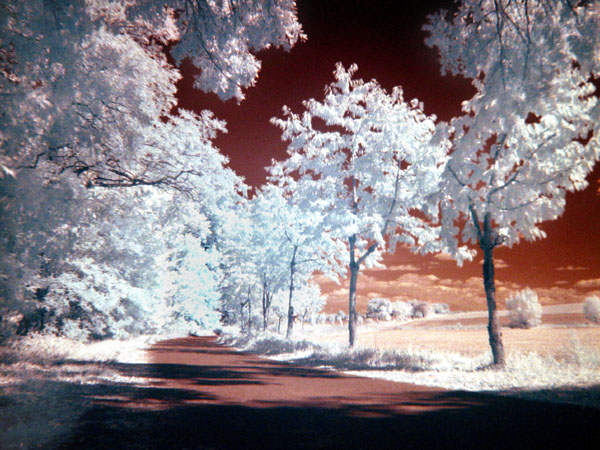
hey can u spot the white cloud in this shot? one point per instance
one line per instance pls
(498, 263)
(404, 268)
(443, 257)
(571, 268)
(394, 268)
(588, 284)
(466, 294)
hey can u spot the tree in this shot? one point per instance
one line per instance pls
(238, 264)
(369, 170)
(264, 239)
(530, 133)
(84, 83)
(88, 100)
(302, 244)
(308, 302)
(78, 262)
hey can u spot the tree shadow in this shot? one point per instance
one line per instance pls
(441, 420)
(194, 406)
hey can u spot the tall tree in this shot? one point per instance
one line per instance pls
(83, 83)
(368, 164)
(531, 131)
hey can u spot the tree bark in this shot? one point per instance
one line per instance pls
(290, 324)
(354, 268)
(487, 244)
(249, 316)
(352, 304)
(267, 296)
(242, 316)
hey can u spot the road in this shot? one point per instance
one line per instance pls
(201, 395)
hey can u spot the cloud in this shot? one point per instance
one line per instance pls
(467, 294)
(404, 268)
(395, 268)
(443, 257)
(571, 268)
(498, 263)
(588, 284)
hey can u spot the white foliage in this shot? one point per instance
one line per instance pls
(524, 309)
(591, 308)
(84, 83)
(531, 132)
(378, 307)
(370, 168)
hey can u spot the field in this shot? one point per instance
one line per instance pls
(556, 361)
(466, 333)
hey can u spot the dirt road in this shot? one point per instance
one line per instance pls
(201, 395)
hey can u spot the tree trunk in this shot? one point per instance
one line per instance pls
(266, 303)
(352, 304)
(494, 330)
(242, 316)
(249, 316)
(354, 268)
(290, 324)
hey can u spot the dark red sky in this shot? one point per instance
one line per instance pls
(386, 42)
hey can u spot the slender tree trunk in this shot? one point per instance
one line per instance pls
(354, 268)
(494, 330)
(290, 324)
(266, 303)
(249, 316)
(352, 304)
(242, 315)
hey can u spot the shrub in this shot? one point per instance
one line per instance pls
(440, 308)
(378, 307)
(401, 310)
(591, 308)
(341, 316)
(524, 309)
(420, 310)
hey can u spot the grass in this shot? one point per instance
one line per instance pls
(573, 377)
(39, 379)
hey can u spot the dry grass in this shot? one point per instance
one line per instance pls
(466, 333)
(559, 361)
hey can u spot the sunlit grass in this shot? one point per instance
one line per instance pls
(573, 370)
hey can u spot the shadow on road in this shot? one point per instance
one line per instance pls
(221, 399)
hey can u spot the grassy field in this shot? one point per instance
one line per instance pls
(466, 333)
(557, 361)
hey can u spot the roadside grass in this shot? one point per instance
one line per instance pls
(40, 377)
(570, 376)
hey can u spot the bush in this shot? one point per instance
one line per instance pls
(378, 307)
(401, 310)
(420, 310)
(524, 309)
(591, 308)
(440, 308)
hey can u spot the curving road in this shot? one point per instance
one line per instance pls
(201, 395)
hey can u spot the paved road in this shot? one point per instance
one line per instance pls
(206, 396)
